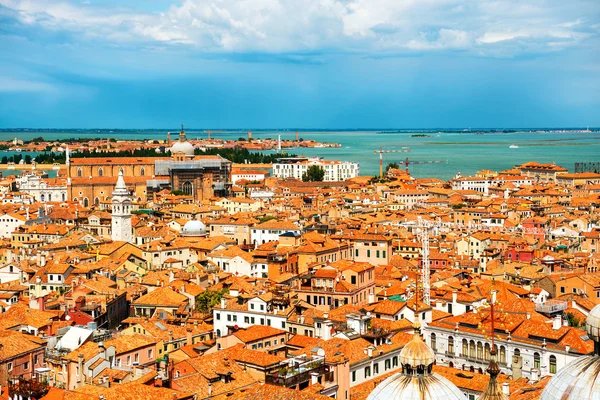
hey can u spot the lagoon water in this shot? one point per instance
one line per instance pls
(464, 152)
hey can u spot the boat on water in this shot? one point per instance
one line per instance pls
(513, 146)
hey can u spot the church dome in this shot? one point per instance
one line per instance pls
(182, 145)
(193, 228)
(416, 381)
(416, 353)
(579, 378)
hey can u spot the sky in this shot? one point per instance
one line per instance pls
(330, 64)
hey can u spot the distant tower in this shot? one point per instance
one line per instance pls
(297, 136)
(121, 212)
(169, 139)
(279, 143)
(249, 135)
(208, 134)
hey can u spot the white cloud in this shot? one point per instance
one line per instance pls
(301, 26)
(21, 85)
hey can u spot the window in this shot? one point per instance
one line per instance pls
(376, 368)
(502, 355)
(136, 358)
(387, 365)
(150, 354)
(486, 353)
(552, 364)
(450, 345)
(353, 376)
(367, 372)
(377, 254)
(562, 289)
(395, 361)
(536, 360)
(218, 316)
(25, 366)
(9, 366)
(433, 342)
(368, 253)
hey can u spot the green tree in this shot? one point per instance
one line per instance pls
(27, 159)
(205, 301)
(314, 173)
(266, 218)
(393, 165)
(4, 160)
(573, 320)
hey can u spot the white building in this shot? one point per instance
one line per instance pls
(41, 189)
(475, 183)
(255, 312)
(270, 230)
(9, 223)
(298, 166)
(249, 176)
(121, 212)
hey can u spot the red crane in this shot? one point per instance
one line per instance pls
(407, 162)
(381, 151)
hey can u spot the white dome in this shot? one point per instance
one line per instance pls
(183, 147)
(416, 387)
(592, 324)
(193, 228)
(579, 378)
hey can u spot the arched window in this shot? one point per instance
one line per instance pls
(502, 355)
(479, 351)
(433, 342)
(395, 361)
(86, 202)
(63, 197)
(552, 364)
(143, 172)
(187, 188)
(79, 172)
(218, 333)
(536, 360)
(96, 201)
(486, 353)
(42, 197)
(450, 345)
(49, 196)
(465, 348)
(100, 172)
(517, 353)
(472, 349)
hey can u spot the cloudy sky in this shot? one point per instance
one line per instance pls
(299, 63)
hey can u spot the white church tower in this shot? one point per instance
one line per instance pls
(121, 212)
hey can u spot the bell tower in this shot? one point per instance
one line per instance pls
(121, 212)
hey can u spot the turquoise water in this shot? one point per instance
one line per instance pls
(462, 152)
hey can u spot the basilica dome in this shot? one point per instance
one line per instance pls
(182, 145)
(193, 228)
(580, 378)
(416, 380)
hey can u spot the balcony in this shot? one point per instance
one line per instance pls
(297, 371)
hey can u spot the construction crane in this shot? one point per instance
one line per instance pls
(407, 162)
(381, 151)
(423, 235)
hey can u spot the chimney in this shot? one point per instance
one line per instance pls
(80, 366)
(314, 378)
(301, 319)
(528, 316)
(370, 351)
(209, 389)
(170, 335)
(506, 389)
(188, 332)
(535, 375)
(454, 296)
(494, 296)
(41, 303)
(556, 322)
(222, 303)
(171, 276)
(326, 315)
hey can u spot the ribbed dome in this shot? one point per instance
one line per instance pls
(580, 379)
(416, 353)
(416, 381)
(193, 228)
(183, 147)
(592, 324)
(416, 387)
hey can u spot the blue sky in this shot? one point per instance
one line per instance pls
(299, 63)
